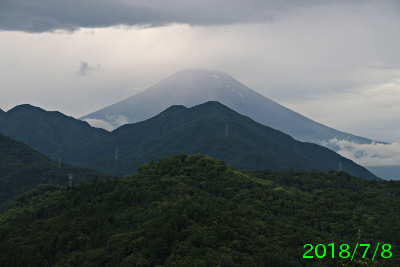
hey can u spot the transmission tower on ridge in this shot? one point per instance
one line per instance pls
(340, 166)
(70, 180)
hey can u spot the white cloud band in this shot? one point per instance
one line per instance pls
(373, 154)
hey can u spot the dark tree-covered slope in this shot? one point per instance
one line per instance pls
(210, 128)
(215, 130)
(196, 211)
(51, 133)
(23, 168)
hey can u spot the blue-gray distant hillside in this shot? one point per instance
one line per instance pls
(50, 132)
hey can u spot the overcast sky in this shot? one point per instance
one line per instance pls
(335, 62)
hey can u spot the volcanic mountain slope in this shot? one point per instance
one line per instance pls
(192, 87)
(214, 130)
(50, 132)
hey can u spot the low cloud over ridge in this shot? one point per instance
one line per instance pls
(112, 122)
(100, 124)
(373, 154)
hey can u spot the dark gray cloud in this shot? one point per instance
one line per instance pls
(49, 15)
(85, 69)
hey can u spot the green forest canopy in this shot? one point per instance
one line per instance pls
(193, 210)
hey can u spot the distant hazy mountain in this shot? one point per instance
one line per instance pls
(193, 87)
(23, 168)
(214, 130)
(50, 132)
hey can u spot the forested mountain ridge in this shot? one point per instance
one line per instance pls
(210, 128)
(192, 210)
(50, 132)
(214, 130)
(1, 112)
(23, 168)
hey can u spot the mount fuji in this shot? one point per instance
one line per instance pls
(191, 87)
